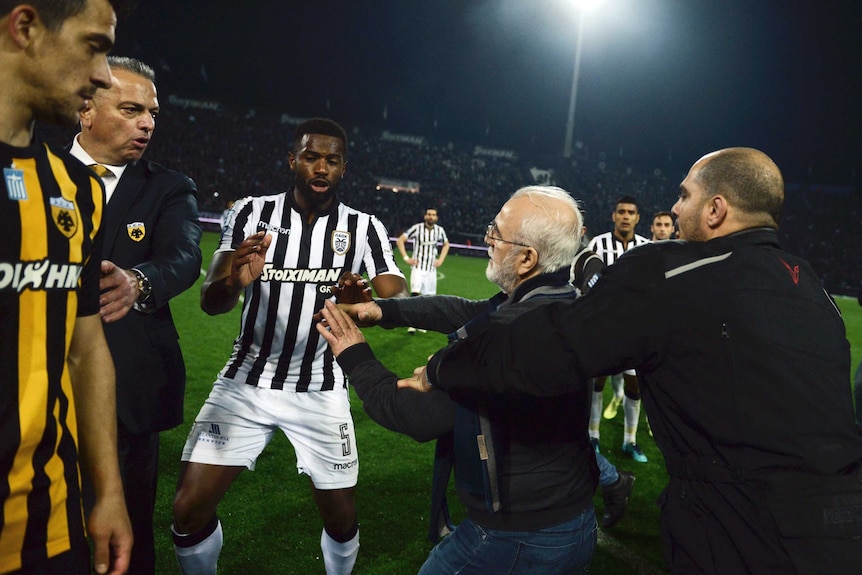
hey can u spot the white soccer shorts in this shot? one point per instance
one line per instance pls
(237, 421)
(423, 281)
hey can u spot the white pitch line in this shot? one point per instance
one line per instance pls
(627, 555)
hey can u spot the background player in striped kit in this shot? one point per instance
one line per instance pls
(283, 252)
(424, 263)
(610, 246)
(56, 375)
(662, 226)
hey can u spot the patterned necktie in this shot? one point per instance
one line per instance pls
(101, 170)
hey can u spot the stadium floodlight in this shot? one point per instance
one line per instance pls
(584, 6)
(587, 5)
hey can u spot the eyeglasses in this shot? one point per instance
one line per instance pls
(492, 229)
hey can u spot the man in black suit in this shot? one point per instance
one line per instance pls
(151, 254)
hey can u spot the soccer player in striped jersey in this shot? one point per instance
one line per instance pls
(57, 395)
(610, 246)
(283, 253)
(426, 236)
(662, 226)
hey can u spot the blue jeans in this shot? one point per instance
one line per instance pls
(608, 474)
(472, 550)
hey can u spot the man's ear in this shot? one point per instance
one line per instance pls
(718, 211)
(528, 261)
(24, 25)
(87, 115)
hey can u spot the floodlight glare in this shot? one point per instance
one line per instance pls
(587, 5)
(583, 6)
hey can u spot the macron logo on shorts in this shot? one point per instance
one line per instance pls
(345, 466)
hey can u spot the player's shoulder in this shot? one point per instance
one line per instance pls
(279, 198)
(343, 210)
(603, 237)
(74, 166)
(256, 204)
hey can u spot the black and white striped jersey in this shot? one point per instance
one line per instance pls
(610, 248)
(425, 244)
(278, 345)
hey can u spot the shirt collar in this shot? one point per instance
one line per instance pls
(81, 154)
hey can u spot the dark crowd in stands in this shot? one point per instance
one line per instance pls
(232, 154)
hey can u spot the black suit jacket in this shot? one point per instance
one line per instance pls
(151, 223)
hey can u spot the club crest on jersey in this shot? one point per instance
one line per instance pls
(340, 242)
(136, 231)
(64, 215)
(15, 184)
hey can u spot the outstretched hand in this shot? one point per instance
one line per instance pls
(351, 288)
(363, 314)
(248, 259)
(338, 329)
(119, 292)
(419, 381)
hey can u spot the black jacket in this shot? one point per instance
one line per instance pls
(151, 223)
(743, 366)
(547, 471)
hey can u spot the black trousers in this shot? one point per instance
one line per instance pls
(76, 561)
(139, 467)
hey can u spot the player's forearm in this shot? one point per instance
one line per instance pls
(91, 370)
(444, 251)
(400, 243)
(220, 296)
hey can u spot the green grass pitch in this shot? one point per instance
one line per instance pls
(270, 524)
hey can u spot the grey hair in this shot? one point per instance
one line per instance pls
(554, 230)
(132, 65)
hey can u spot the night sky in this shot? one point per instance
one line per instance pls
(662, 81)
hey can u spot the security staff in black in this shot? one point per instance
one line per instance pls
(744, 366)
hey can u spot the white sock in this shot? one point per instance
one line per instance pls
(200, 558)
(596, 414)
(632, 409)
(338, 558)
(617, 385)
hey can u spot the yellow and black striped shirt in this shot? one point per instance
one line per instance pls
(50, 210)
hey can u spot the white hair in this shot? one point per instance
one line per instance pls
(554, 229)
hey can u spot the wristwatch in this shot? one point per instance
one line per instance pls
(144, 286)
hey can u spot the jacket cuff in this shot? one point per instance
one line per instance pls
(391, 313)
(355, 355)
(431, 370)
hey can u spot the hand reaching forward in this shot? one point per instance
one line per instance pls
(248, 259)
(351, 288)
(419, 381)
(338, 329)
(119, 292)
